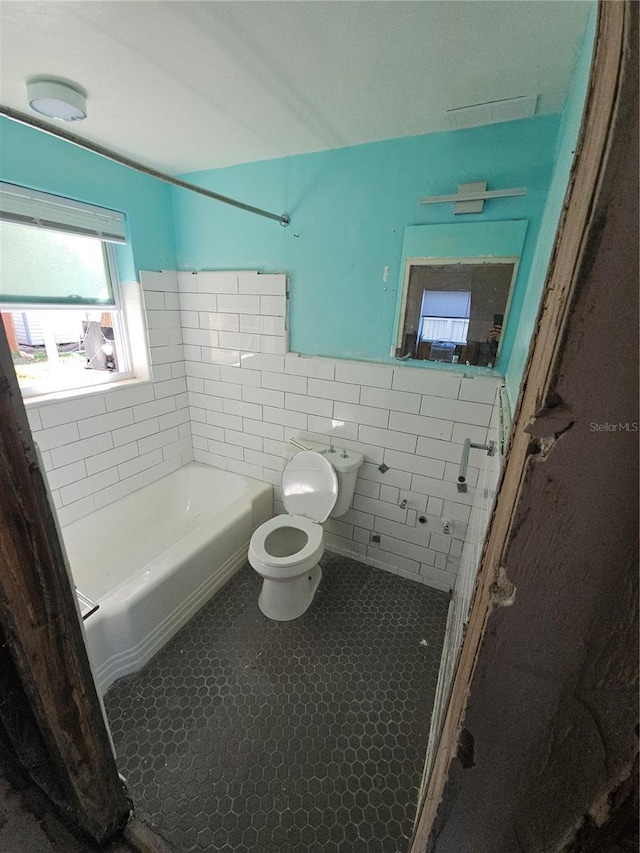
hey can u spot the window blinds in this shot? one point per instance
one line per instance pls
(446, 303)
(52, 249)
(52, 268)
(28, 207)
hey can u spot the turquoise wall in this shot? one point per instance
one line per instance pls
(349, 208)
(32, 159)
(567, 138)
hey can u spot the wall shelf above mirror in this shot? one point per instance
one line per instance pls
(457, 293)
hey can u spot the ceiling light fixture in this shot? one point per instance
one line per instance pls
(56, 99)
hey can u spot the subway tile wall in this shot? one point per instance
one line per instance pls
(248, 396)
(226, 392)
(108, 443)
(461, 600)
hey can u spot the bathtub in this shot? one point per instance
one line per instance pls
(152, 559)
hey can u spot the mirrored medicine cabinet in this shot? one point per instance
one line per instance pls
(455, 294)
(454, 310)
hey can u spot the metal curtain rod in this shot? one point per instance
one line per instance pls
(23, 118)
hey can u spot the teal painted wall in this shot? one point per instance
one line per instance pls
(33, 159)
(567, 138)
(349, 208)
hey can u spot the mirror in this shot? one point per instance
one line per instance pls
(454, 310)
(460, 293)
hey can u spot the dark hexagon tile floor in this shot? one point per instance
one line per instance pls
(249, 736)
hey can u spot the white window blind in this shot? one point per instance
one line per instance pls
(53, 250)
(43, 210)
(446, 303)
(52, 268)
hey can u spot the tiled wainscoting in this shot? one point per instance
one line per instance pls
(248, 397)
(225, 391)
(482, 504)
(106, 444)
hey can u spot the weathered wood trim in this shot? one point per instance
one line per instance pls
(41, 629)
(576, 228)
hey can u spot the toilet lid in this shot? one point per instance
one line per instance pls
(309, 486)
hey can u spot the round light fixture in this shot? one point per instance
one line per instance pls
(55, 99)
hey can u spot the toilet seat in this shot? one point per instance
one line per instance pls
(309, 486)
(282, 567)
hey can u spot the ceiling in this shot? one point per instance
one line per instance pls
(185, 86)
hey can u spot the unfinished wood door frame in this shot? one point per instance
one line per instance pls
(577, 226)
(41, 628)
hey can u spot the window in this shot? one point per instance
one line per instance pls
(445, 316)
(59, 294)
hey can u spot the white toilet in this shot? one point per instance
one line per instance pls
(286, 549)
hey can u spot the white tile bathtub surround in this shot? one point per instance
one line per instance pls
(108, 443)
(245, 403)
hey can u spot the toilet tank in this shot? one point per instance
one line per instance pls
(345, 464)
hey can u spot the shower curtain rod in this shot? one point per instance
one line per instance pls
(59, 133)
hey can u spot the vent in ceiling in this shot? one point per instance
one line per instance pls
(492, 112)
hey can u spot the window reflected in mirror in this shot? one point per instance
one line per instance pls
(455, 311)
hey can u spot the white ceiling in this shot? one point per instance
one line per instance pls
(189, 85)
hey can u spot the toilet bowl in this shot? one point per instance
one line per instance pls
(286, 550)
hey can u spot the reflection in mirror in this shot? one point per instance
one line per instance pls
(454, 310)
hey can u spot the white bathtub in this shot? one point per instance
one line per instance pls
(152, 559)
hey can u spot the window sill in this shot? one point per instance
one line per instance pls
(87, 391)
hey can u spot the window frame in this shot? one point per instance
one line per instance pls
(93, 379)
